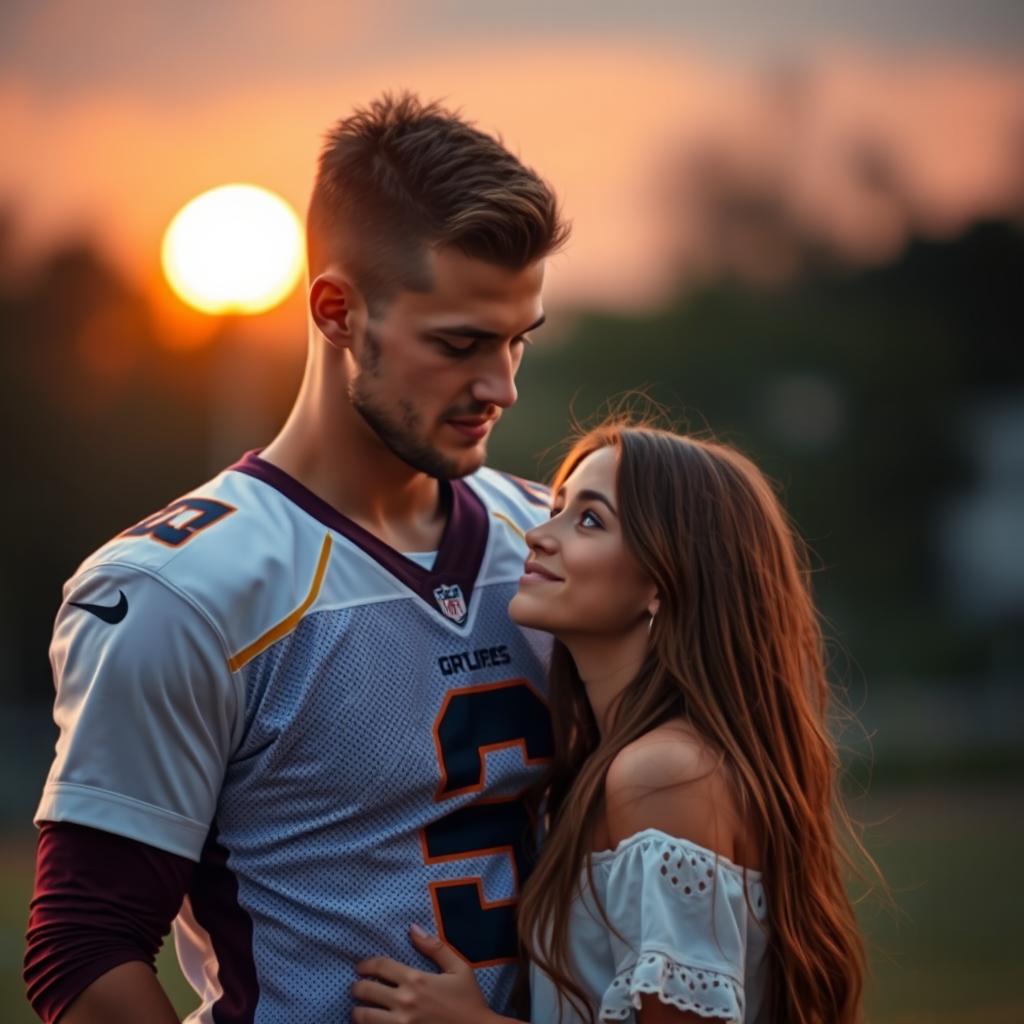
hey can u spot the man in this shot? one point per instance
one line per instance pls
(291, 704)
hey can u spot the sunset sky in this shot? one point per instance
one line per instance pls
(115, 113)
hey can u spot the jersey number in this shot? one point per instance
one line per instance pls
(471, 723)
(181, 521)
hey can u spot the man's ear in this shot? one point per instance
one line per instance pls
(336, 307)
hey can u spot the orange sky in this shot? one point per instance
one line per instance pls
(609, 122)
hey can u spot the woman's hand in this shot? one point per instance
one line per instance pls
(403, 995)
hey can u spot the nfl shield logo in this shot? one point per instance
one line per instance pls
(450, 600)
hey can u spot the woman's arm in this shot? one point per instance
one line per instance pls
(671, 782)
(654, 1011)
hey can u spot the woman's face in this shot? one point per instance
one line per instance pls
(580, 578)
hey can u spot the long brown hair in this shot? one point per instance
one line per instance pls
(736, 648)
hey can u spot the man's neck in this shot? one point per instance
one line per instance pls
(330, 449)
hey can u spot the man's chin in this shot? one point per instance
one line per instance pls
(444, 465)
(465, 462)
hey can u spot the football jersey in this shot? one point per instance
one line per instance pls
(339, 736)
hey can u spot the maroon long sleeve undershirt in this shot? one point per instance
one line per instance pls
(100, 900)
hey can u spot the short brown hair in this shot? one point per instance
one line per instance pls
(401, 176)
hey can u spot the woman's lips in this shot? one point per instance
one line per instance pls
(535, 573)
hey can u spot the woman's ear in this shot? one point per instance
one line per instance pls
(653, 606)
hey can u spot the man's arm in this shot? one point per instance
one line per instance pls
(147, 707)
(129, 994)
(101, 908)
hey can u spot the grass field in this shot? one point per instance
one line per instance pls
(948, 953)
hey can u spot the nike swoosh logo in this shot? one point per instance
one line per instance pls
(112, 613)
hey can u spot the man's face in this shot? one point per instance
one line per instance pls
(435, 371)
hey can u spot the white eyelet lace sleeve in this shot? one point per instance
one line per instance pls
(682, 914)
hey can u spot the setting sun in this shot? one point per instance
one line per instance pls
(234, 249)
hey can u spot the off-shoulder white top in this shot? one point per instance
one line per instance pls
(692, 928)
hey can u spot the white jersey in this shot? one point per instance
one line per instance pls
(339, 736)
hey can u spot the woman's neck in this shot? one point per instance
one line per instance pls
(607, 665)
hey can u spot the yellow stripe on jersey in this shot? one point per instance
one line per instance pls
(508, 522)
(287, 624)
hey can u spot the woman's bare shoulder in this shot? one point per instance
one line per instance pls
(672, 780)
(670, 754)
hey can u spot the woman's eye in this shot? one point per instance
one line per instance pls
(589, 518)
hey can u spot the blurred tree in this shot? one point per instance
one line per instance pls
(102, 426)
(850, 388)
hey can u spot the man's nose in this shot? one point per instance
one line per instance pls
(496, 383)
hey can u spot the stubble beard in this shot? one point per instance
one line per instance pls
(399, 428)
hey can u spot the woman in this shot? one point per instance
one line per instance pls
(692, 867)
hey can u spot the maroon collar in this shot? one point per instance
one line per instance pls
(460, 553)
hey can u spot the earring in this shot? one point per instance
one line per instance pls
(650, 624)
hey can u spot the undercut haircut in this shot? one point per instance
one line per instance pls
(401, 177)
